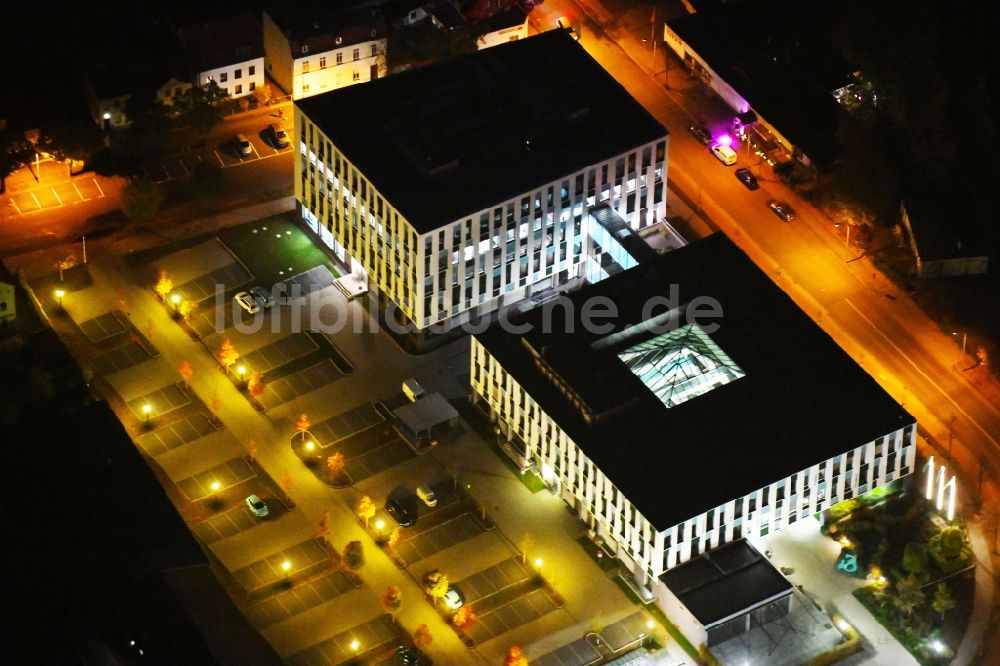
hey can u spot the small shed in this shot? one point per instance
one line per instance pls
(427, 421)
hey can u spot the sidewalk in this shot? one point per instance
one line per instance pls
(979, 623)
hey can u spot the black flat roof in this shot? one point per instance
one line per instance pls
(802, 399)
(724, 583)
(781, 59)
(453, 138)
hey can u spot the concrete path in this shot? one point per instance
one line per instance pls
(980, 620)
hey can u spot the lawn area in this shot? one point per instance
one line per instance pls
(274, 249)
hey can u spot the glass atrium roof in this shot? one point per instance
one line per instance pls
(681, 364)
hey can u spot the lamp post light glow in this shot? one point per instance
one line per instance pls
(538, 565)
(965, 337)
(147, 410)
(355, 645)
(59, 296)
(241, 372)
(215, 486)
(937, 646)
(286, 566)
(310, 445)
(379, 524)
(175, 298)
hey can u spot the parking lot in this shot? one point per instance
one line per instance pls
(120, 359)
(510, 616)
(300, 557)
(103, 327)
(346, 424)
(160, 401)
(225, 525)
(492, 580)
(56, 196)
(578, 653)
(300, 598)
(438, 538)
(219, 280)
(302, 382)
(224, 155)
(280, 353)
(176, 434)
(230, 473)
(370, 637)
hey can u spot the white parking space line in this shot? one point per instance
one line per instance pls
(58, 198)
(216, 153)
(78, 192)
(184, 166)
(37, 203)
(98, 186)
(16, 207)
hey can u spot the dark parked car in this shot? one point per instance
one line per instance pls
(400, 513)
(701, 133)
(747, 178)
(782, 210)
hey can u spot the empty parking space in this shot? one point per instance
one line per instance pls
(492, 580)
(225, 525)
(346, 424)
(306, 283)
(120, 359)
(365, 638)
(438, 538)
(176, 434)
(520, 611)
(378, 459)
(216, 320)
(160, 401)
(217, 281)
(271, 569)
(103, 327)
(280, 353)
(300, 598)
(578, 653)
(302, 382)
(624, 632)
(227, 474)
(55, 196)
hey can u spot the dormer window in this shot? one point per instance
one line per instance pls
(305, 48)
(339, 40)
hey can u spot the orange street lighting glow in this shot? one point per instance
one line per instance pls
(215, 485)
(538, 562)
(60, 293)
(355, 645)
(242, 369)
(379, 524)
(286, 565)
(175, 298)
(147, 408)
(310, 445)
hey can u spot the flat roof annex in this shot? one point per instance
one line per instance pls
(726, 583)
(802, 399)
(453, 138)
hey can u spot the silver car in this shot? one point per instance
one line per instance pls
(243, 145)
(257, 506)
(247, 302)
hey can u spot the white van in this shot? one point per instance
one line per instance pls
(724, 154)
(427, 495)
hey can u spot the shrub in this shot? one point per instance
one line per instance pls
(915, 558)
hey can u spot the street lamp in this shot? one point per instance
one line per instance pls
(286, 566)
(59, 296)
(538, 565)
(310, 445)
(241, 371)
(175, 298)
(355, 645)
(147, 409)
(964, 339)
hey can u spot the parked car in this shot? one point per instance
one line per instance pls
(563, 24)
(427, 495)
(262, 296)
(243, 146)
(782, 210)
(407, 656)
(247, 302)
(747, 178)
(724, 154)
(279, 135)
(701, 133)
(400, 512)
(257, 506)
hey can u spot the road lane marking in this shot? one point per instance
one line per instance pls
(16, 207)
(923, 374)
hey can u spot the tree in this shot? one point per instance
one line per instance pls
(392, 600)
(354, 555)
(203, 112)
(303, 425)
(141, 199)
(256, 386)
(515, 657)
(287, 482)
(227, 354)
(186, 372)
(323, 526)
(908, 595)
(148, 121)
(943, 601)
(213, 406)
(65, 264)
(436, 584)
(15, 153)
(71, 141)
(262, 94)
(915, 558)
(164, 285)
(465, 618)
(366, 509)
(335, 463)
(185, 309)
(422, 638)
(394, 536)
